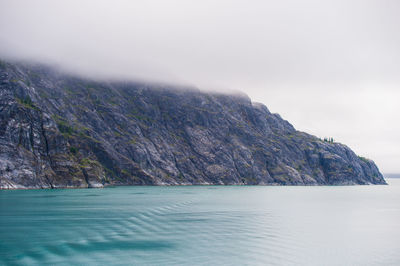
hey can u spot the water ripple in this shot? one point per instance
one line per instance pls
(200, 226)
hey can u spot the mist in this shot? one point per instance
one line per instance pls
(329, 67)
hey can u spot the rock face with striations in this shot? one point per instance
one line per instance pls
(62, 131)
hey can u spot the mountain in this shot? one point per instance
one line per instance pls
(57, 130)
(392, 175)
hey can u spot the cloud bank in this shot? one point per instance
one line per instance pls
(331, 67)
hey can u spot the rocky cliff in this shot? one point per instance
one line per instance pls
(57, 131)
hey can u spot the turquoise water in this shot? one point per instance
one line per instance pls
(351, 225)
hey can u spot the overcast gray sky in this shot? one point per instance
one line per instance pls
(330, 67)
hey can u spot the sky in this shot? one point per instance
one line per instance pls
(330, 67)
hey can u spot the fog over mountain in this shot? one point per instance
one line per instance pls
(331, 67)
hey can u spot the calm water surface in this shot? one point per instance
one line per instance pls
(351, 225)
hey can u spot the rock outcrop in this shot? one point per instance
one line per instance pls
(57, 131)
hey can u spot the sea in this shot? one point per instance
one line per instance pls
(202, 225)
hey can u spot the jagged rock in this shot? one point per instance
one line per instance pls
(62, 131)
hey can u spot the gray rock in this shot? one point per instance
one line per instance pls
(62, 131)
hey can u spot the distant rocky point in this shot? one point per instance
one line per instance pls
(392, 175)
(60, 131)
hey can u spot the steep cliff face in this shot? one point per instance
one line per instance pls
(63, 131)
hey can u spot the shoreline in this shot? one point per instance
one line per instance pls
(196, 185)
